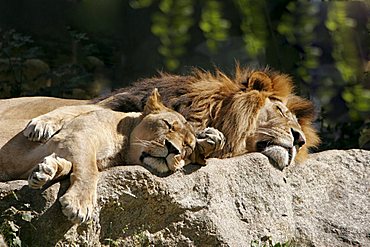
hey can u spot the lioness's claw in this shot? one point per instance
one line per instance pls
(40, 130)
(44, 172)
(77, 208)
(210, 140)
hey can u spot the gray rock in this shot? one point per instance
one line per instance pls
(242, 201)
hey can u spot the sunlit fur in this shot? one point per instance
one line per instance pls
(229, 103)
(232, 105)
(95, 140)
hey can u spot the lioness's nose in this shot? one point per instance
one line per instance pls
(298, 137)
(171, 148)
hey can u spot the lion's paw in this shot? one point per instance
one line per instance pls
(78, 207)
(40, 129)
(44, 172)
(210, 140)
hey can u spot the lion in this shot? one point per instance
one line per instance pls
(256, 110)
(98, 138)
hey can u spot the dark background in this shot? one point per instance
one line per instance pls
(82, 49)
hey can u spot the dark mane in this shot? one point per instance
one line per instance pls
(228, 103)
(133, 98)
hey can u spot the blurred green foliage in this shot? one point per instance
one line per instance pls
(253, 25)
(171, 24)
(23, 73)
(81, 49)
(213, 25)
(15, 49)
(299, 29)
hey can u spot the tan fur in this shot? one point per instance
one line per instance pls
(95, 138)
(232, 104)
(229, 103)
(15, 114)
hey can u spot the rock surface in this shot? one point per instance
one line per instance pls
(240, 201)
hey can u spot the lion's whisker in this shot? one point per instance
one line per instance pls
(264, 133)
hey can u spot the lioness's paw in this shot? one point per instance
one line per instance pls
(175, 162)
(40, 129)
(44, 172)
(78, 207)
(210, 140)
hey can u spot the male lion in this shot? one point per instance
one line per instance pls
(256, 111)
(93, 140)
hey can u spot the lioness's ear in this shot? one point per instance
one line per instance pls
(154, 103)
(258, 81)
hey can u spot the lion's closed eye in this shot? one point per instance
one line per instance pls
(280, 111)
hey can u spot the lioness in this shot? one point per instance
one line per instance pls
(99, 138)
(256, 110)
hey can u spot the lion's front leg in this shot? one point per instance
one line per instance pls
(50, 168)
(79, 201)
(209, 141)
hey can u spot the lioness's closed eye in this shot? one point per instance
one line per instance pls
(98, 138)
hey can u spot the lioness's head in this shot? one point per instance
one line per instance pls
(257, 111)
(163, 140)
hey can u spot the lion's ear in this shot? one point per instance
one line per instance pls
(258, 81)
(154, 103)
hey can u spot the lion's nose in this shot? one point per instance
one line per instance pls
(171, 148)
(298, 137)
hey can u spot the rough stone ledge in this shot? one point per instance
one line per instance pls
(231, 202)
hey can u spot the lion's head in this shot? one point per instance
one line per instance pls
(257, 111)
(278, 134)
(163, 140)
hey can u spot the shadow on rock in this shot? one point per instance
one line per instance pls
(37, 213)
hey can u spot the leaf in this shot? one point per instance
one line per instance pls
(138, 4)
(15, 196)
(364, 137)
(17, 241)
(27, 216)
(13, 226)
